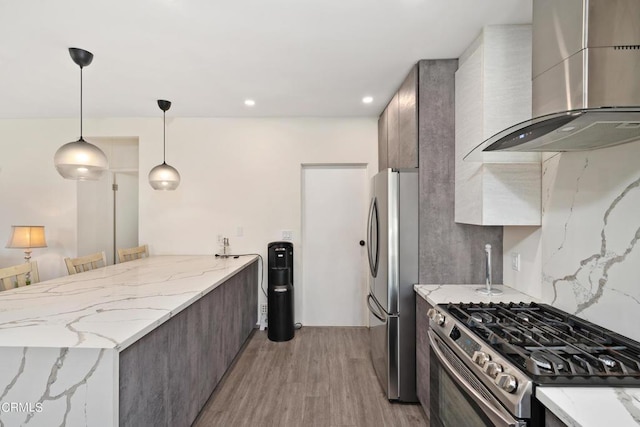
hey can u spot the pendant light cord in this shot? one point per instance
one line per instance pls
(164, 137)
(81, 139)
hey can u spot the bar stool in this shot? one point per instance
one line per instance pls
(19, 275)
(130, 254)
(86, 263)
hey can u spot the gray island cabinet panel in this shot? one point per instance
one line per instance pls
(167, 376)
(422, 353)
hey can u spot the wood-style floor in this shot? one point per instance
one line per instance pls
(323, 377)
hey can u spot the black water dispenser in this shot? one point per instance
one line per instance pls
(280, 323)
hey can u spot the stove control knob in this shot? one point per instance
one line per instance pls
(436, 316)
(439, 319)
(481, 358)
(507, 382)
(493, 369)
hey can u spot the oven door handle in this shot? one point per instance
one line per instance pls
(499, 416)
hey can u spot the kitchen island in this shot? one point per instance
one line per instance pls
(139, 343)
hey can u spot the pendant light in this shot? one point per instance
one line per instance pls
(80, 160)
(164, 176)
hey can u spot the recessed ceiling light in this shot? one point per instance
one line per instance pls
(367, 99)
(249, 102)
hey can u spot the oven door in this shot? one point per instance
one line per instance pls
(458, 398)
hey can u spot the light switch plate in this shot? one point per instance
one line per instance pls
(515, 261)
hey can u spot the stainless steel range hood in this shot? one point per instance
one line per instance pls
(586, 78)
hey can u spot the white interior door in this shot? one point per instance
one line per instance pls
(334, 269)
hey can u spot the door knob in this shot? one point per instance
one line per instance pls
(361, 242)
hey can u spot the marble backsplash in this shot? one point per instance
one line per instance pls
(590, 255)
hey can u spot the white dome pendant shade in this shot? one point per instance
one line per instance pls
(80, 160)
(164, 176)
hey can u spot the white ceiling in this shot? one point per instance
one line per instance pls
(294, 57)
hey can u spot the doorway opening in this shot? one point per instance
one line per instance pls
(108, 208)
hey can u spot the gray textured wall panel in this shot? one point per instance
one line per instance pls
(449, 252)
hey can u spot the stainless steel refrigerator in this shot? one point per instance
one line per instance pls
(392, 246)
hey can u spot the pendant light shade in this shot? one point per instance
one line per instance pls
(164, 176)
(80, 160)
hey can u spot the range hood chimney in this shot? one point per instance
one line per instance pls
(586, 78)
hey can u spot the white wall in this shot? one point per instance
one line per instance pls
(32, 192)
(235, 173)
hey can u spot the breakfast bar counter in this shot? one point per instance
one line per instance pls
(138, 343)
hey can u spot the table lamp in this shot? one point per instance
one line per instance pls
(27, 237)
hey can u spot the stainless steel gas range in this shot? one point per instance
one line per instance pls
(487, 360)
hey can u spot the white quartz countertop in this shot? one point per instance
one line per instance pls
(110, 307)
(575, 406)
(593, 406)
(445, 293)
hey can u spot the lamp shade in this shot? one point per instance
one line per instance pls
(26, 237)
(80, 160)
(164, 177)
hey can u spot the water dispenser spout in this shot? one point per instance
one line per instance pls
(225, 248)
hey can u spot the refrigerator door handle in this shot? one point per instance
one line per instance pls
(375, 312)
(372, 243)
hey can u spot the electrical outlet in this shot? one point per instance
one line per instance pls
(263, 316)
(220, 238)
(287, 235)
(239, 231)
(515, 261)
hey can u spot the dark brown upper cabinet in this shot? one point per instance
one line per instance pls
(382, 141)
(398, 127)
